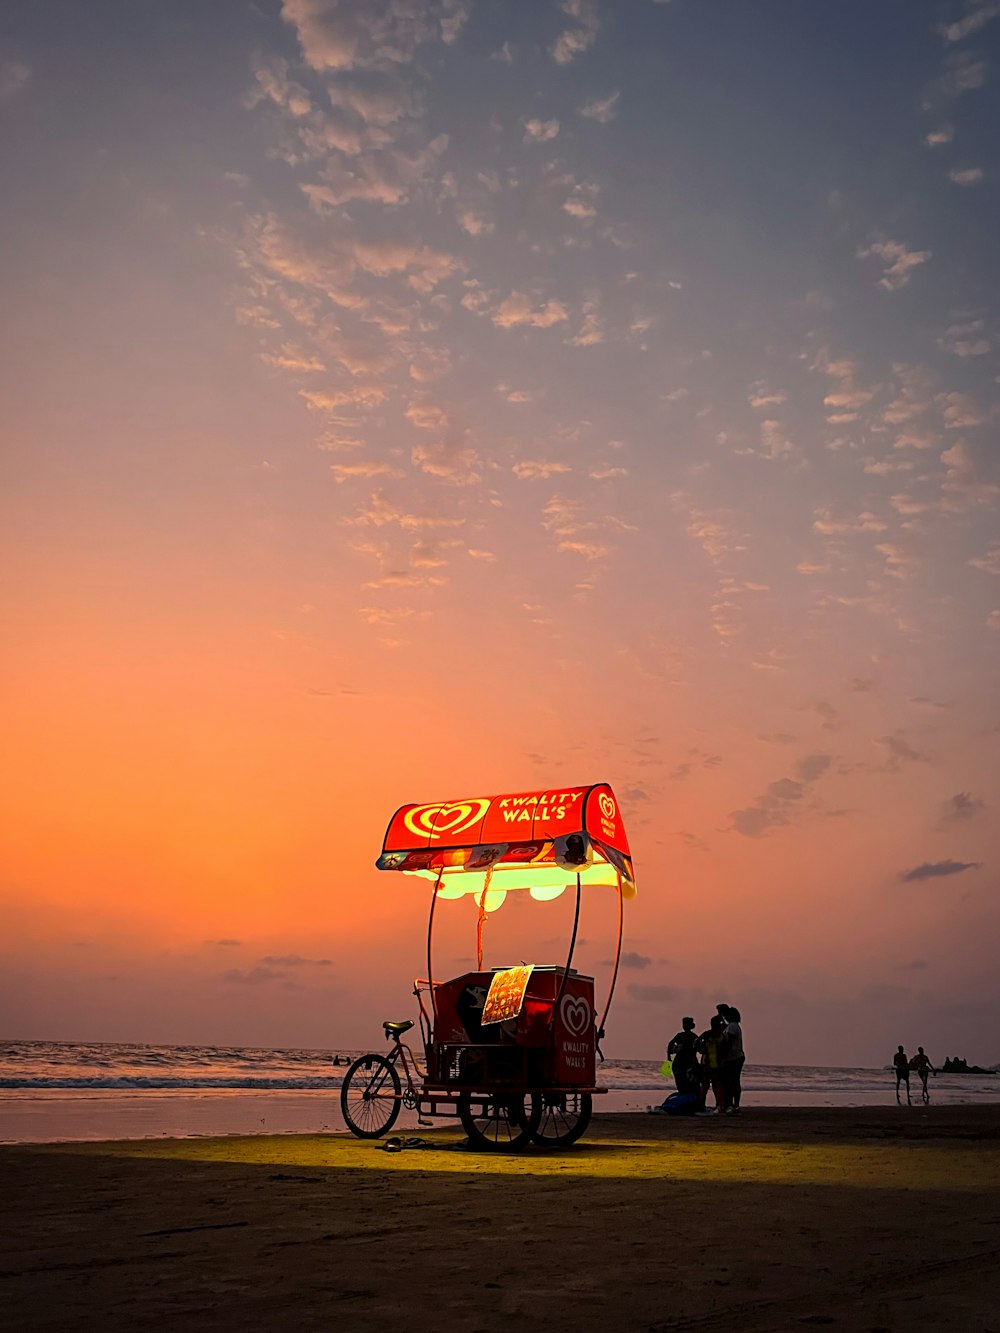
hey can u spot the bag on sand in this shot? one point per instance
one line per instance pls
(681, 1103)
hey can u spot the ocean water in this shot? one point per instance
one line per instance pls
(56, 1091)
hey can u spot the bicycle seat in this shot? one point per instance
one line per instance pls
(397, 1029)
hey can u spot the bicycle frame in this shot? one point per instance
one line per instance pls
(401, 1052)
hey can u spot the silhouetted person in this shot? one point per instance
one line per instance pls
(901, 1064)
(711, 1047)
(733, 1060)
(923, 1066)
(681, 1049)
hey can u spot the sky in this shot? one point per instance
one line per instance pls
(417, 399)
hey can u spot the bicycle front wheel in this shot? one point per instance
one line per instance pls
(370, 1096)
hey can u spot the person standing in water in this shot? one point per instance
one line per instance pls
(923, 1066)
(901, 1064)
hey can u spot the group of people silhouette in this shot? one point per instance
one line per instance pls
(920, 1065)
(712, 1060)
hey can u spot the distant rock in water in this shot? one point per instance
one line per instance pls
(959, 1066)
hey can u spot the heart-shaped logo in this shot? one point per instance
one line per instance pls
(575, 1014)
(607, 805)
(456, 816)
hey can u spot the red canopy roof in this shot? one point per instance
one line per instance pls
(516, 828)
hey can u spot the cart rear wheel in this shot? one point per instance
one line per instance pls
(565, 1116)
(500, 1121)
(370, 1096)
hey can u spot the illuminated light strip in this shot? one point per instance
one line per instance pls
(456, 882)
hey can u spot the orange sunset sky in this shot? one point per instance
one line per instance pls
(417, 399)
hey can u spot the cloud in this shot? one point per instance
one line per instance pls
(382, 513)
(591, 331)
(388, 176)
(538, 469)
(395, 578)
(977, 16)
(519, 310)
(636, 960)
(451, 459)
(256, 976)
(754, 820)
(602, 109)
(426, 415)
(328, 264)
(225, 943)
(590, 550)
(273, 84)
(13, 77)
(430, 363)
(474, 224)
(812, 766)
(376, 35)
(963, 486)
(988, 563)
(966, 175)
(579, 38)
(942, 135)
(581, 203)
(781, 802)
(712, 535)
(390, 615)
(774, 441)
(761, 396)
(937, 870)
(960, 807)
(333, 400)
(561, 516)
(966, 337)
(899, 751)
(963, 73)
(364, 471)
(899, 262)
(294, 960)
(292, 359)
(540, 131)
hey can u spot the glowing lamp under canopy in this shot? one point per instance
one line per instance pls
(486, 846)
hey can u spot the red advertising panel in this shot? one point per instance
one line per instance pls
(604, 820)
(536, 815)
(575, 1034)
(479, 831)
(441, 824)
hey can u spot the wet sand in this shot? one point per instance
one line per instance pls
(862, 1219)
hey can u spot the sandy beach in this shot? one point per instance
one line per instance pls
(867, 1219)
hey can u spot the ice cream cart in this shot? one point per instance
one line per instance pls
(512, 1051)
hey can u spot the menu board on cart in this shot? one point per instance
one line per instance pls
(506, 994)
